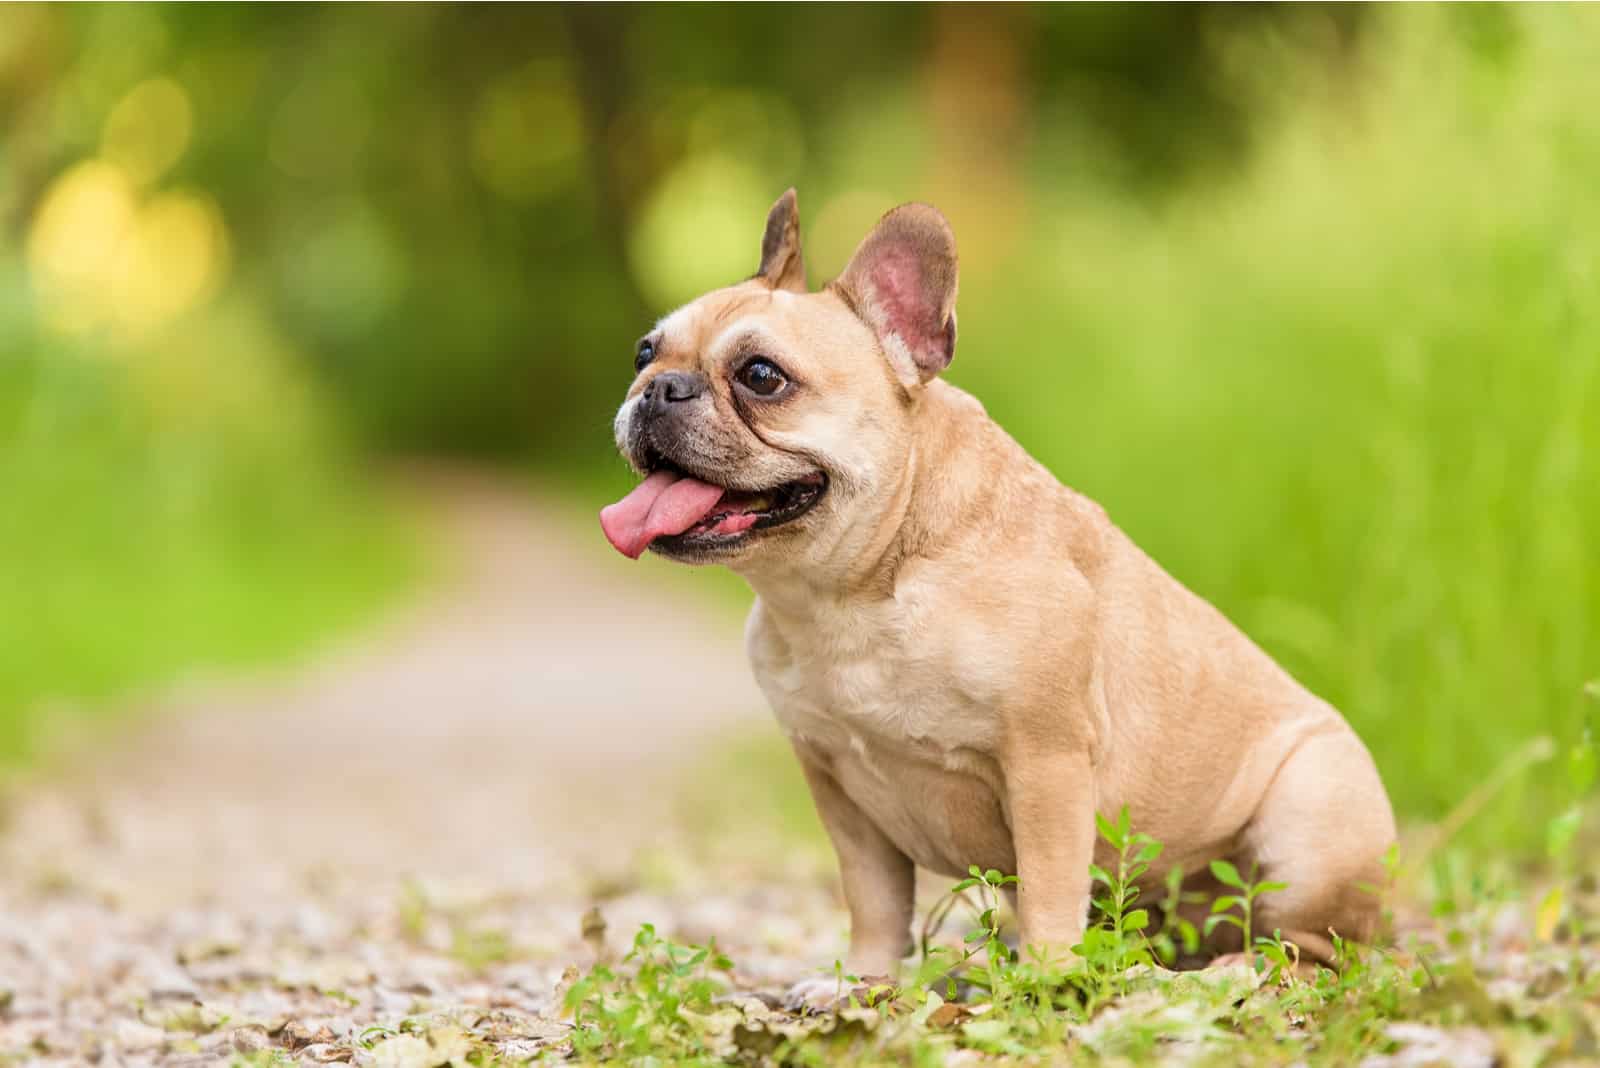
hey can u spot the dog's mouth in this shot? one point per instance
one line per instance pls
(679, 512)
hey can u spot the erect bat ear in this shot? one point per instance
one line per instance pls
(902, 283)
(781, 264)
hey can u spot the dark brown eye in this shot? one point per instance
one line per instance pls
(762, 377)
(646, 353)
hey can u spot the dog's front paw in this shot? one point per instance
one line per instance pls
(820, 993)
(824, 993)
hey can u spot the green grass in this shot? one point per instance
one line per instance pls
(1503, 965)
(170, 508)
(1463, 985)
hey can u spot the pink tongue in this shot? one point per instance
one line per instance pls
(665, 503)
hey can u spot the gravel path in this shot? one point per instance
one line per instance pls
(407, 830)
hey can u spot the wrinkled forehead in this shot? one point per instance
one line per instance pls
(702, 326)
(752, 315)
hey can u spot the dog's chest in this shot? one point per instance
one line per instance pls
(867, 677)
(907, 737)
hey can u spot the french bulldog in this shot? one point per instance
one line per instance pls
(969, 659)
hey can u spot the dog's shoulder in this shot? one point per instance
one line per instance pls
(984, 507)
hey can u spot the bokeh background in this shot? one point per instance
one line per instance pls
(1305, 296)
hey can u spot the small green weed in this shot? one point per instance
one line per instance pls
(1176, 936)
(659, 1009)
(1118, 942)
(1245, 901)
(662, 1005)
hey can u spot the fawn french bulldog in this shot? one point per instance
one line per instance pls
(969, 659)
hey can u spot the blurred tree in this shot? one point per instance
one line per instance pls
(458, 213)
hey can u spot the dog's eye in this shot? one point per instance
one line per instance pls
(762, 377)
(646, 353)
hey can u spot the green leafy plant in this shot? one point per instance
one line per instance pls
(1282, 958)
(939, 966)
(1245, 901)
(1026, 995)
(1177, 935)
(1118, 941)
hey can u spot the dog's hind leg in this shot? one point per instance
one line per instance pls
(1323, 827)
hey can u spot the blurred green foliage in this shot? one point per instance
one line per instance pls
(1305, 295)
(176, 494)
(165, 512)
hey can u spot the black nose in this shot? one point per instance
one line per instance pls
(669, 387)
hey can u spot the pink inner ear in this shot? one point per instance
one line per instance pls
(898, 287)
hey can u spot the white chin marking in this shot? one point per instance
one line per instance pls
(619, 426)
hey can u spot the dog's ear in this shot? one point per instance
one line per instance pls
(781, 264)
(902, 283)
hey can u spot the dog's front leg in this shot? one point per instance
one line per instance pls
(1051, 799)
(879, 881)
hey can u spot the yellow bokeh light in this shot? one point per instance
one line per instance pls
(148, 131)
(99, 256)
(79, 229)
(173, 259)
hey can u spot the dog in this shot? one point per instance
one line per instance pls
(968, 658)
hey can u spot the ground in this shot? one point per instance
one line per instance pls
(417, 821)
(409, 850)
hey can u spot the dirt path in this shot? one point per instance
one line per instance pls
(409, 828)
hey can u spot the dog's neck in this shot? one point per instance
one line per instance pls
(941, 485)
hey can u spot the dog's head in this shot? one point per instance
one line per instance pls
(774, 424)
